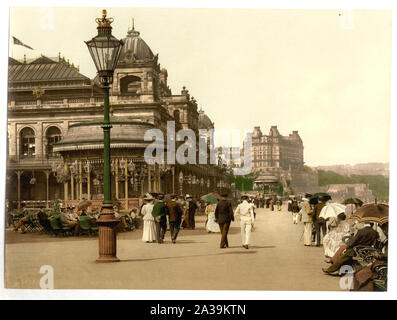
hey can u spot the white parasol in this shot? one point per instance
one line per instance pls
(332, 210)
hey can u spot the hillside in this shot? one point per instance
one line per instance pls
(379, 185)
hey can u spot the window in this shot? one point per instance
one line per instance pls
(28, 144)
(53, 135)
(177, 116)
(130, 85)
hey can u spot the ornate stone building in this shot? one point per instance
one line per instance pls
(279, 159)
(55, 141)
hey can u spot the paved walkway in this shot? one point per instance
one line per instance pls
(277, 260)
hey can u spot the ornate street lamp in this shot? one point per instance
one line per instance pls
(105, 51)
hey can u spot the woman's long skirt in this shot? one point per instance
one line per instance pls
(149, 231)
(211, 225)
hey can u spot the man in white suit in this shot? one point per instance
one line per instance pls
(307, 212)
(245, 214)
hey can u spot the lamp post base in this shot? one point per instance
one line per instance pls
(107, 224)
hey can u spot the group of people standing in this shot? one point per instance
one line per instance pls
(271, 202)
(180, 213)
(315, 227)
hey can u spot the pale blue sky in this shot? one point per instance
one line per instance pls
(298, 69)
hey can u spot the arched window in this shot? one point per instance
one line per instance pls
(28, 145)
(53, 135)
(177, 116)
(130, 85)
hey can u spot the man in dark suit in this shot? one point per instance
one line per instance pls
(191, 211)
(224, 216)
(159, 213)
(175, 217)
(319, 223)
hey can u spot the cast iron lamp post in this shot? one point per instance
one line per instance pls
(105, 51)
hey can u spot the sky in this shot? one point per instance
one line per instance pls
(324, 73)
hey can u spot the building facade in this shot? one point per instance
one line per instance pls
(278, 159)
(55, 139)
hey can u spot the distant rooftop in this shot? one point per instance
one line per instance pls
(43, 69)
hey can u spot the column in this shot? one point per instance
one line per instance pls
(149, 177)
(88, 180)
(158, 179)
(155, 178)
(116, 180)
(19, 173)
(71, 187)
(39, 143)
(126, 184)
(142, 180)
(47, 175)
(65, 184)
(80, 181)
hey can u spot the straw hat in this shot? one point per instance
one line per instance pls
(148, 196)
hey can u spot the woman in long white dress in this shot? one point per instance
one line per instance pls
(149, 226)
(211, 225)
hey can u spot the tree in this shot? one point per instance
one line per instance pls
(280, 189)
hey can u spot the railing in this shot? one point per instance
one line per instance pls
(23, 103)
(59, 101)
(32, 161)
(72, 102)
(79, 100)
(128, 98)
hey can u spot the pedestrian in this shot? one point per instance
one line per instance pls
(190, 213)
(307, 212)
(252, 206)
(295, 211)
(245, 214)
(149, 225)
(272, 204)
(224, 216)
(185, 219)
(159, 213)
(279, 203)
(319, 223)
(183, 204)
(175, 217)
(290, 204)
(211, 225)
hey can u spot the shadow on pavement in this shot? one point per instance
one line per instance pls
(191, 256)
(254, 247)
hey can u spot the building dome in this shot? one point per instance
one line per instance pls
(204, 121)
(135, 48)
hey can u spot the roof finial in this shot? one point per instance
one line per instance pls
(133, 24)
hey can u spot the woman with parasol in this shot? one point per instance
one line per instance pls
(211, 225)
